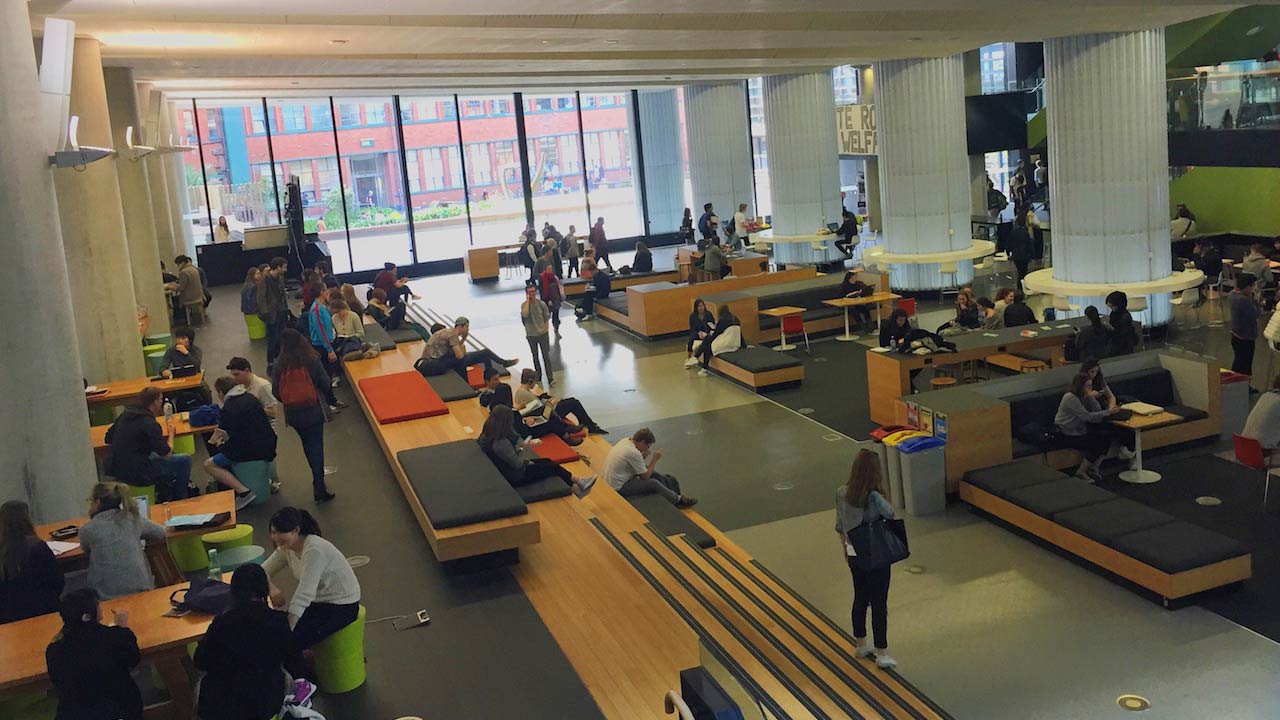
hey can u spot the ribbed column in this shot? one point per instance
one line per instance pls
(663, 159)
(176, 184)
(1109, 159)
(93, 236)
(804, 166)
(924, 168)
(157, 173)
(720, 170)
(45, 448)
(135, 198)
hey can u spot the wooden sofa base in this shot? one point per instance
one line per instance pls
(620, 281)
(1168, 586)
(757, 380)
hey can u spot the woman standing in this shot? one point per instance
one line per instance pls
(113, 540)
(1124, 335)
(30, 579)
(534, 315)
(221, 233)
(552, 293)
(499, 441)
(327, 598)
(89, 662)
(299, 381)
(249, 292)
(858, 502)
(701, 323)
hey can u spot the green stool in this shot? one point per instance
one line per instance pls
(257, 328)
(154, 357)
(38, 705)
(162, 339)
(188, 552)
(147, 491)
(256, 475)
(340, 658)
(102, 414)
(232, 558)
(238, 536)
(184, 444)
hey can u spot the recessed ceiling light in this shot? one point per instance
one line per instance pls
(546, 42)
(667, 77)
(339, 42)
(1253, 30)
(294, 82)
(610, 42)
(915, 38)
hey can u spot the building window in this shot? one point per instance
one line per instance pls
(259, 122)
(434, 165)
(349, 115)
(375, 114)
(473, 108)
(504, 107)
(411, 162)
(321, 117)
(295, 118)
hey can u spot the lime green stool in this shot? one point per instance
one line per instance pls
(102, 414)
(161, 339)
(146, 491)
(340, 658)
(238, 536)
(154, 357)
(189, 554)
(38, 705)
(232, 558)
(256, 475)
(184, 444)
(257, 328)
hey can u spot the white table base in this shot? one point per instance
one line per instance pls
(847, 336)
(1139, 475)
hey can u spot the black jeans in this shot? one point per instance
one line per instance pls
(554, 307)
(440, 366)
(1021, 267)
(541, 469)
(1243, 360)
(602, 256)
(871, 590)
(312, 437)
(573, 266)
(572, 406)
(320, 620)
(1098, 438)
(541, 342)
(588, 305)
(397, 294)
(275, 326)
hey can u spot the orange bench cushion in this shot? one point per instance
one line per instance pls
(475, 376)
(555, 449)
(401, 396)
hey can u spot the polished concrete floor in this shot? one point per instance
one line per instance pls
(992, 626)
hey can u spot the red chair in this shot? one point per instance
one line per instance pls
(1250, 453)
(908, 305)
(794, 324)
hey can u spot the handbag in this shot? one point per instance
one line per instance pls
(878, 544)
(210, 597)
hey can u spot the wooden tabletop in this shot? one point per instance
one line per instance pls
(1146, 422)
(218, 502)
(123, 391)
(22, 643)
(181, 426)
(868, 300)
(783, 311)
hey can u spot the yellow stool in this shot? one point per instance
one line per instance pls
(340, 658)
(257, 328)
(153, 355)
(146, 491)
(238, 536)
(189, 554)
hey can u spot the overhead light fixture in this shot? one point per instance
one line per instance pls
(77, 156)
(546, 42)
(339, 41)
(610, 42)
(915, 39)
(134, 152)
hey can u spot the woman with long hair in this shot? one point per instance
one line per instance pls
(504, 447)
(349, 295)
(113, 541)
(1092, 341)
(89, 663)
(30, 579)
(725, 319)
(967, 318)
(327, 598)
(1124, 334)
(249, 292)
(701, 323)
(860, 501)
(1083, 422)
(299, 381)
(643, 261)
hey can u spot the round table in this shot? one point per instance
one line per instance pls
(801, 249)
(978, 248)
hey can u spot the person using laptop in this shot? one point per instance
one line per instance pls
(183, 358)
(1086, 426)
(848, 232)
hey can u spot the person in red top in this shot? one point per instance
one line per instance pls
(600, 243)
(395, 287)
(552, 293)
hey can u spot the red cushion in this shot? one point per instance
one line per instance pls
(475, 376)
(401, 396)
(555, 449)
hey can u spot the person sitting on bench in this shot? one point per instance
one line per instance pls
(852, 287)
(726, 337)
(1083, 422)
(396, 288)
(141, 451)
(629, 470)
(497, 393)
(1018, 312)
(244, 434)
(530, 393)
(183, 358)
(348, 330)
(701, 323)
(601, 285)
(504, 447)
(446, 350)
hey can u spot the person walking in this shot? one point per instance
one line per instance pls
(534, 315)
(858, 502)
(572, 251)
(1018, 246)
(1244, 324)
(299, 381)
(601, 244)
(273, 305)
(552, 293)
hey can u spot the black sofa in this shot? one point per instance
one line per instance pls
(807, 294)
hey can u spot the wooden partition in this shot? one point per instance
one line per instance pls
(662, 308)
(746, 305)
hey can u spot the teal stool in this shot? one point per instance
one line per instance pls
(238, 536)
(232, 558)
(161, 339)
(257, 328)
(154, 356)
(256, 475)
(340, 658)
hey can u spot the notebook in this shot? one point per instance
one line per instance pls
(1141, 408)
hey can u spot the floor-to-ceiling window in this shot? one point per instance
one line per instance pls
(760, 146)
(555, 162)
(369, 149)
(197, 226)
(237, 163)
(434, 167)
(302, 142)
(610, 154)
(492, 160)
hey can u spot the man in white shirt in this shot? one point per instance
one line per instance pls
(740, 235)
(629, 470)
(258, 387)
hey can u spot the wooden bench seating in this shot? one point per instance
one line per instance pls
(577, 287)
(757, 367)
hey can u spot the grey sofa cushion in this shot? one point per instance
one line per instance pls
(1049, 499)
(669, 520)
(617, 303)
(1000, 480)
(1109, 520)
(458, 485)
(377, 335)
(757, 359)
(546, 489)
(450, 386)
(404, 334)
(1178, 546)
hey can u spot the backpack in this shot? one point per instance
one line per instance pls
(205, 415)
(204, 596)
(296, 388)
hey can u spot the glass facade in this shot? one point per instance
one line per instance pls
(237, 163)
(552, 131)
(433, 165)
(759, 146)
(493, 169)
(302, 142)
(373, 182)
(610, 156)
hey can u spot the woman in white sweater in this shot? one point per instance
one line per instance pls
(327, 598)
(348, 331)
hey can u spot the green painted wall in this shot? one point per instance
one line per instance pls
(1225, 199)
(1222, 37)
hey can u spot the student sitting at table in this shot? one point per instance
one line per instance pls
(726, 337)
(243, 652)
(991, 320)
(504, 447)
(1084, 423)
(89, 662)
(327, 598)
(30, 579)
(852, 287)
(895, 331)
(141, 451)
(1092, 341)
(244, 434)
(113, 541)
(967, 316)
(183, 357)
(530, 393)
(1018, 312)
(714, 260)
(1124, 334)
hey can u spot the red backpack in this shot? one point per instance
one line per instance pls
(296, 388)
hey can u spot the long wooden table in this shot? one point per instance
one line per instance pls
(162, 640)
(126, 391)
(181, 426)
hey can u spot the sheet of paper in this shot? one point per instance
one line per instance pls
(1044, 327)
(1063, 326)
(879, 349)
(59, 547)
(991, 334)
(183, 520)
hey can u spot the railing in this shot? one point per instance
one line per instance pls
(1234, 96)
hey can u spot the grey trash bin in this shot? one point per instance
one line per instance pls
(1235, 403)
(923, 469)
(893, 459)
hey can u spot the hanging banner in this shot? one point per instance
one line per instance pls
(856, 129)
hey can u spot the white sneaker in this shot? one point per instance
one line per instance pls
(885, 660)
(1125, 453)
(335, 382)
(865, 651)
(582, 486)
(691, 362)
(703, 373)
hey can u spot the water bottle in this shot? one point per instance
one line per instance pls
(215, 572)
(168, 413)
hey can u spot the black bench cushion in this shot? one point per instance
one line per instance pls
(377, 335)
(458, 485)
(404, 334)
(1178, 546)
(1049, 499)
(768, 322)
(1153, 385)
(1000, 480)
(1035, 408)
(1109, 520)
(668, 520)
(578, 283)
(450, 386)
(1187, 412)
(757, 359)
(617, 303)
(545, 489)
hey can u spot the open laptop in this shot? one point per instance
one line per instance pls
(833, 227)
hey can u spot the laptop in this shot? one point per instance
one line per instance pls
(833, 227)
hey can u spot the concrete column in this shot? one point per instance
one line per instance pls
(720, 168)
(663, 159)
(44, 431)
(868, 97)
(93, 236)
(977, 163)
(157, 184)
(804, 165)
(924, 169)
(176, 182)
(144, 254)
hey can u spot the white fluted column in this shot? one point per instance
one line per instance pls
(1109, 160)
(139, 222)
(157, 173)
(804, 164)
(719, 138)
(93, 236)
(45, 448)
(924, 168)
(663, 159)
